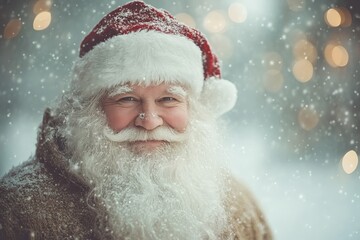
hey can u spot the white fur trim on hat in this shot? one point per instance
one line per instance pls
(145, 57)
(218, 95)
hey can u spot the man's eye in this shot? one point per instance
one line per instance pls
(168, 99)
(126, 99)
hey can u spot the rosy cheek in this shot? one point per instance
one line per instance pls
(178, 120)
(118, 119)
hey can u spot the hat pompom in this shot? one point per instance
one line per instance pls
(218, 95)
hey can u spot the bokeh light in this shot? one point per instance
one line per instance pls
(237, 12)
(303, 70)
(340, 56)
(336, 55)
(12, 29)
(215, 21)
(186, 19)
(335, 17)
(42, 21)
(308, 118)
(350, 161)
(41, 6)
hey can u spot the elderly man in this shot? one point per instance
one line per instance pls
(132, 151)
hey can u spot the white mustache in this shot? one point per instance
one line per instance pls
(132, 134)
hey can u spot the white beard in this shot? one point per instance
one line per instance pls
(174, 192)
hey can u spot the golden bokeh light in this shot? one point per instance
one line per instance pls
(12, 29)
(303, 49)
(186, 19)
(308, 118)
(237, 12)
(273, 60)
(42, 21)
(296, 5)
(340, 56)
(273, 80)
(335, 17)
(41, 6)
(350, 162)
(303, 70)
(336, 55)
(215, 22)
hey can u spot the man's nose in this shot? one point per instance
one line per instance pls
(149, 117)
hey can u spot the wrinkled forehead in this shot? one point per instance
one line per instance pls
(131, 88)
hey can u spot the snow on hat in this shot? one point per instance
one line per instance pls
(139, 44)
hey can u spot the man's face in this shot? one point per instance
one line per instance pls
(146, 108)
(173, 173)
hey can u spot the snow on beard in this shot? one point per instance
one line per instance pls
(175, 191)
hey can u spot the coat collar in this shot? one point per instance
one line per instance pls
(51, 150)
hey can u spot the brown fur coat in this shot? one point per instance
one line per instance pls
(41, 199)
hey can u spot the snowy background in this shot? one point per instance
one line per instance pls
(294, 133)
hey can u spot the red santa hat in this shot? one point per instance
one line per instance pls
(139, 44)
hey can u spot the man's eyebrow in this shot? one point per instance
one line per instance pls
(177, 90)
(120, 90)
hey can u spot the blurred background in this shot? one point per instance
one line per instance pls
(294, 132)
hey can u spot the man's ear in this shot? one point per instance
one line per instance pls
(218, 95)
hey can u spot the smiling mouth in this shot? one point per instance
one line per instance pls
(149, 144)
